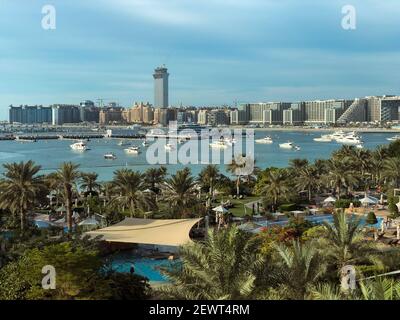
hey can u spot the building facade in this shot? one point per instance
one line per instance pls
(161, 76)
(30, 114)
(65, 113)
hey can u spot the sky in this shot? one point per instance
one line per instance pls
(217, 51)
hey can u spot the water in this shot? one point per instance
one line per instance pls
(51, 153)
(321, 219)
(149, 268)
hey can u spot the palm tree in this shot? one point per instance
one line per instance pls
(89, 182)
(391, 171)
(128, 188)
(67, 176)
(20, 188)
(274, 185)
(208, 178)
(378, 158)
(180, 190)
(307, 179)
(300, 268)
(380, 289)
(298, 164)
(345, 242)
(154, 177)
(340, 174)
(238, 167)
(223, 267)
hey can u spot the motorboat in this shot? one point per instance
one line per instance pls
(110, 156)
(123, 143)
(230, 141)
(79, 146)
(133, 150)
(288, 145)
(219, 144)
(394, 138)
(265, 140)
(324, 138)
(145, 143)
(337, 135)
(350, 140)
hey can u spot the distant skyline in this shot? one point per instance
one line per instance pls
(216, 51)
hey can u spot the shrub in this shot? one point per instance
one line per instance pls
(287, 207)
(345, 203)
(371, 218)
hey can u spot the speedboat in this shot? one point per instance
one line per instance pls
(287, 145)
(110, 156)
(394, 138)
(169, 147)
(145, 143)
(219, 144)
(265, 140)
(133, 150)
(79, 146)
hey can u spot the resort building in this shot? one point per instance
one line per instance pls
(161, 87)
(294, 115)
(218, 118)
(137, 113)
(30, 114)
(89, 112)
(202, 117)
(325, 111)
(383, 109)
(266, 113)
(357, 112)
(65, 113)
(110, 115)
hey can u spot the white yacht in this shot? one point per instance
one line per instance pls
(110, 156)
(169, 147)
(133, 150)
(265, 140)
(219, 144)
(79, 146)
(324, 138)
(350, 139)
(394, 138)
(287, 145)
(337, 135)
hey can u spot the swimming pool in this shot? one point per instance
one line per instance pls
(146, 267)
(319, 220)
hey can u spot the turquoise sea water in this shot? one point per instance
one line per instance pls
(51, 153)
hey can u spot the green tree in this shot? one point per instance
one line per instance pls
(154, 177)
(274, 185)
(307, 179)
(180, 190)
(67, 176)
(371, 218)
(391, 171)
(89, 183)
(128, 190)
(20, 188)
(299, 267)
(223, 267)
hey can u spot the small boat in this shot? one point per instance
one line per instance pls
(297, 148)
(110, 156)
(145, 143)
(359, 146)
(79, 146)
(169, 147)
(220, 144)
(123, 143)
(133, 150)
(349, 140)
(287, 145)
(265, 140)
(324, 138)
(394, 138)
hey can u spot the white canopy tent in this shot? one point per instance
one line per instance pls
(220, 209)
(330, 199)
(367, 200)
(173, 232)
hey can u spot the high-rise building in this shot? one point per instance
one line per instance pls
(383, 109)
(267, 113)
(65, 113)
(202, 117)
(161, 87)
(218, 118)
(89, 112)
(294, 115)
(110, 115)
(325, 111)
(30, 114)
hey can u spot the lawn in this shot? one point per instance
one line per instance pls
(239, 209)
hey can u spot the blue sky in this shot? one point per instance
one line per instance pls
(217, 51)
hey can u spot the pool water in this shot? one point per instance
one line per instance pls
(321, 219)
(146, 267)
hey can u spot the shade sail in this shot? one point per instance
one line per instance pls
(173, 232)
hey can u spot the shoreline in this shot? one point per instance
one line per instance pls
(306, 129)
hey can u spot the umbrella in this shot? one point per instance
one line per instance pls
(330, 199)
(220, 209)
(89, 222)
(369, 200)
